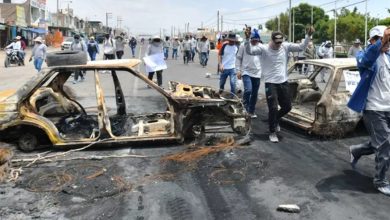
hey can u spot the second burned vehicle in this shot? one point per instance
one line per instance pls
(114, 105)
(321, 107)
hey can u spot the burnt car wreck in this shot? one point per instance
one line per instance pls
(320, 98)
(46, 112)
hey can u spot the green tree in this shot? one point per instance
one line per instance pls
(385, 21)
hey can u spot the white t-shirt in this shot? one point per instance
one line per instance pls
(229, 57)
(379, 94)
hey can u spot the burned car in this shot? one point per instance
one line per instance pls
(116, 104)
(320, 98)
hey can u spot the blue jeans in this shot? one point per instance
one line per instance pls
(133, 51)
(166, 52)
(38, 64)
(92, 55)
(203, 58)
(251, 90)
(233, 78)
(174, 53)
(192, 54)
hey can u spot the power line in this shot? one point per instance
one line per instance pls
(345, 6)
(251, 19)
(254, 9)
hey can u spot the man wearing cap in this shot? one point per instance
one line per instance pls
(249, 69)
(372, 97)
(204, 48)
(133, 45)
(227, 63)
(166, 46)
(274, 60)
(355, 49)
(39, 53)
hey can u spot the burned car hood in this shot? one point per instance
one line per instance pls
(186, 93)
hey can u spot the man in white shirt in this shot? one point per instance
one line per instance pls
(325, 52)
(249, 69)
(274, 60)
(194, 43)
(109, 48)
(227, 63)
(17, 46)
(372, 97)
(203, 49)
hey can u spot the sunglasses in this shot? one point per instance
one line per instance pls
(278, 42)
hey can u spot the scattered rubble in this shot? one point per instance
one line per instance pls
(6, 155)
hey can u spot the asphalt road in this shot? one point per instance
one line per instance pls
(246, 182)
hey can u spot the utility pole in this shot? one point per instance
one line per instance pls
(289, 22)
(221, 23)
(58, 11)
(108, 15)
(217, 21)
(365, 27)
(312, 15)
(279, 23)
(293, 27)
(335, 28)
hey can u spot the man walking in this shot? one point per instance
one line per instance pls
(372, 97)
(186, 47)
(325, 52)
(249, 69)
(227, 63)
(108, 48)
(355, 49)
(78, 45)
(204, 49)
(166, 46)
(194, 43)
(274, 60)
(155, 47)
(93, 48)
(175, 48)
(120, 47)
(133, 45)
(39, 53)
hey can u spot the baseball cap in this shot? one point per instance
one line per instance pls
(377, 31)
(277, 37)
(255, 35)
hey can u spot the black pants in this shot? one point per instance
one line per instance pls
(119, 54)
(159, 77)
(277, 94)
(109, 57)
(186, 56)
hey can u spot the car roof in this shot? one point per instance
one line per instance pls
(334, 62)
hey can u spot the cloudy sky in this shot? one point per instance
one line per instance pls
(148, 16)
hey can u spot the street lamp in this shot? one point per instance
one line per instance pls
(108, 15)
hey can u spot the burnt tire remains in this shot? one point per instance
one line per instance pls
(66, 57)
(28, 142)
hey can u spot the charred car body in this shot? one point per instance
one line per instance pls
(320, 99)
(44, 111)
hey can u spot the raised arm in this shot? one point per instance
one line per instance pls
(292, 47)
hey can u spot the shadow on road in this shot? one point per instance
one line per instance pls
(350, 180)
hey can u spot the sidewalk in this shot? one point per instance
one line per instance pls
(28, 53)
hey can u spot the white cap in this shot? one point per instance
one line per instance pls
(156, 37)
(38, 39)
(377, 31)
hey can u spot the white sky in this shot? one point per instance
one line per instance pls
(148, 16)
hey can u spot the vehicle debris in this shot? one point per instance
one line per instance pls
(6, 155)
(289, 208)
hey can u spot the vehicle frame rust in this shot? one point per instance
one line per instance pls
(329, 114)
(190, 109)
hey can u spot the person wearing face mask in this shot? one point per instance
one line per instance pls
(155, 47)
(227, 63)
(274, 61)
(372, 97)
(78, 45)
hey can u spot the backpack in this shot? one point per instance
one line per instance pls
(222, 50)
